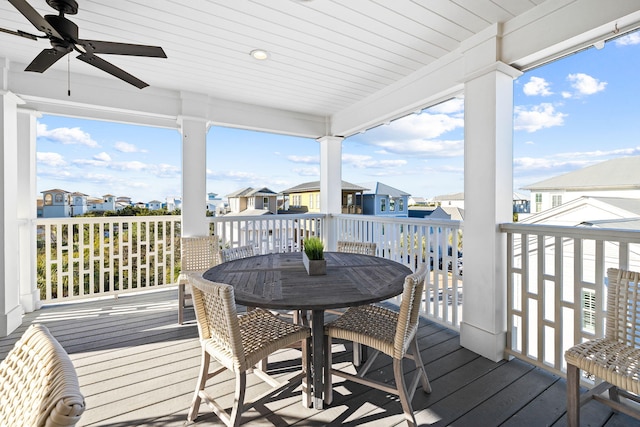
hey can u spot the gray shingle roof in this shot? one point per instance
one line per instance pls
(315, 186)
(620, 173)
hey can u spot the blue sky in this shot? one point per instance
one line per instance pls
(569, 114)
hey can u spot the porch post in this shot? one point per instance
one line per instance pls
(488, 194)
(27, 209)
(10, 308)
(330, 185)
(193, 127)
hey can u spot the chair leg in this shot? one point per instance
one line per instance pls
(238, 401)
(181, 292)
(328, 357)
(402, 392)
(306, 380)
(573, 396)
(202, 380)
(420, 366)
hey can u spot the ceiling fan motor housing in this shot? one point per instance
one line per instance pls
(69, 7)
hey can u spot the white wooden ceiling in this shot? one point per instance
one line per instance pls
(325, 55)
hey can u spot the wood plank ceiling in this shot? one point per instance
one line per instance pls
(325, 55)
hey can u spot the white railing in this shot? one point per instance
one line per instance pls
(89, 257)
(557, 286)
(267, 233)
(413, 242)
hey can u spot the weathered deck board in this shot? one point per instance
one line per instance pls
(138, 367)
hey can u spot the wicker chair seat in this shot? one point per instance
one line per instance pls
(261, 333)
(373, 326)
(614, 358)
(38, 383)
(612, 361)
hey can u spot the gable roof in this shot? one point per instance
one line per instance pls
(454, 196)
(252, 192)
(383, 189)
(622, 173)
(315, 186)
(587, 210)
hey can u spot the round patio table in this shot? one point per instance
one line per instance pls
(280, 281)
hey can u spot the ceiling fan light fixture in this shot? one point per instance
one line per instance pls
(259, 54)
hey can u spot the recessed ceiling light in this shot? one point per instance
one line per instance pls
(259, 54)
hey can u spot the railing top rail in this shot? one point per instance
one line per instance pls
(105, 219)
(405, 220)
(226, 218)
(631, 236)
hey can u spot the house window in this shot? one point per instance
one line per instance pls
(48, 199)
(401, 205)
(383, 205)
(538, 202)
(556, 201)
(392, 205)
(318, 200)
(265, 203)
(311, 201)
(349, 199)
(58, 198)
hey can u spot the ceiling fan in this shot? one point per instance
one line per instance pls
(63, 36)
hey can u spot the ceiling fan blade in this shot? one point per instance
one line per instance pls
(98, 46)
(19, 33)
(45, 59)
(35, 18)
(112, 69)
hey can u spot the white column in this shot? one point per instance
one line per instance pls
(27, 210)
(10, 308)
(330, 185)
(488, 194)
(194, 177)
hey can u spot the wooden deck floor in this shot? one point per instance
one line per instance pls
(138, 367)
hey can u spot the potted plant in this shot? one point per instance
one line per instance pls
(313, 256)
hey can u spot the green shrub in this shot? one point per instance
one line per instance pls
(314, 248)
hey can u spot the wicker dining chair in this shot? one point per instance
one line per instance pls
(615, 358)
(364, 248)
(385, 331)
(197, 254)
(230, 254)
(38, 383)
(238, 343)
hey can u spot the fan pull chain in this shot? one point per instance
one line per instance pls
(68, 75)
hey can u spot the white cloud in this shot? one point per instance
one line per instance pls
(365, 161)
(304, 159)
(102, 157)
(584, 84)
(629, 39)
(66, 136)
(126, 147)
(537, 86)
(422, 148)
(50, 159)
(313, 171)
(425, 125)
(537, 117)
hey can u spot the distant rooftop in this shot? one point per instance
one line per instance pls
(315, 186)
(620, 173)
(252, 192)
(380, 188)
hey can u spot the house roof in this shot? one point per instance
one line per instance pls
(252, 192)
(381, 188)
(454, 196)
(587, 210)
(56, 190)
(622, 173)
(315, 186)
(250, 212)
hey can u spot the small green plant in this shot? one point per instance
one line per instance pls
(314, 248)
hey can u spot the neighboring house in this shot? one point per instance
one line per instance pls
(56, 203)
(305, 197)
(455, 200)
(173, 203)
(154, 205)
(417, 201)
(78, 203)
(259, 201)
(520, 202)
(215, 204)
(384, 200)
(614, 178)
(447, 212)
(122, 202)
(107, 203)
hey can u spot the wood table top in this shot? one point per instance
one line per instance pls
(280, 281)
